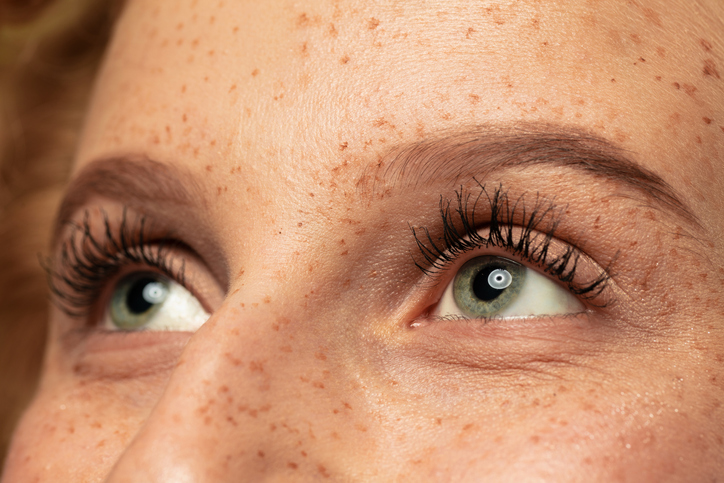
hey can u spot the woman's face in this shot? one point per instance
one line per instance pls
(437, 241)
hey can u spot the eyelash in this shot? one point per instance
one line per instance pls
(86, 264)
(460, 235)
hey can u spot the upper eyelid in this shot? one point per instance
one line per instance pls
(88, 261)
(456, 243)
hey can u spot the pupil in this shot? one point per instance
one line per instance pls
(135, 300)
(481, 285)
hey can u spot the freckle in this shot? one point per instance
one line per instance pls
(661, 52)
(293, 466)
(266, 299)
(311, 194)
(212, 20)
(260, 454)
(347, 405)
(658, 77)
(304, 49)
(676, 85)
(373, 23)
(698, 140)
(323, 471)
(180, 26)
(207, 420)
(705, 44)
(438, 421)
(360, 427)
(211, 53)
(709, 69)
(184, 118)
(535, 439)
(179, 42)
(689, 89)
(318, 385)
(183, 88)
(636, 38)
(613, 80)
(233, 87)
(286, 348)
(236, 362)
(344, 59)
(303, 453)
(468, 426)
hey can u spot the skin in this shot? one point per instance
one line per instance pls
(308, 368)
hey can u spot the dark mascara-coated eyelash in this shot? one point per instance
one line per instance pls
(87, 261)
(460, 235)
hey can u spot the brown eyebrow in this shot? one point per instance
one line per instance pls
(478, 152)
(137, 180)
(452, 157)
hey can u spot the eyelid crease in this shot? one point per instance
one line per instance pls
(480, 150)
(531, 238)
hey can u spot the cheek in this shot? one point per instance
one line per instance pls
(74, 434)
(611, 435)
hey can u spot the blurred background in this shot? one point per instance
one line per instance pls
(49, 53)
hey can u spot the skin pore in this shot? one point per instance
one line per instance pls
(292, 150)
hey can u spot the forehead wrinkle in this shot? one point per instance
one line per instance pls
(460, 156)
(133, 180)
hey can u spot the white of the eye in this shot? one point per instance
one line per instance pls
(155, 293)
(539, 296)
(179, 310)
(500, 279)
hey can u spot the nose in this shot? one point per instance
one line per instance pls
(252, 399)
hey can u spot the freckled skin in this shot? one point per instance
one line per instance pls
(307, 370)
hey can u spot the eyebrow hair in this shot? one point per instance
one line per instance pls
(478, 152)
(137, 180)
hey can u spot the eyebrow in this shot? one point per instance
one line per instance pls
(137, 180)
(476, 153)
(452, 157)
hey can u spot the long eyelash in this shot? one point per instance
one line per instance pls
(460, 235)
(86, 262)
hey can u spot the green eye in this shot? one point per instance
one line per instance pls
(137, 299)
(487, 285)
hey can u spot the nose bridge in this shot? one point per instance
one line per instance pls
(226, 410)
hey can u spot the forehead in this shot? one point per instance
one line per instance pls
(323, 84)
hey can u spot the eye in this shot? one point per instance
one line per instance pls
(151, 301)
(491, 286)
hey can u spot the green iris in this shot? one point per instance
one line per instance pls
(485, 286)
(136, 300)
